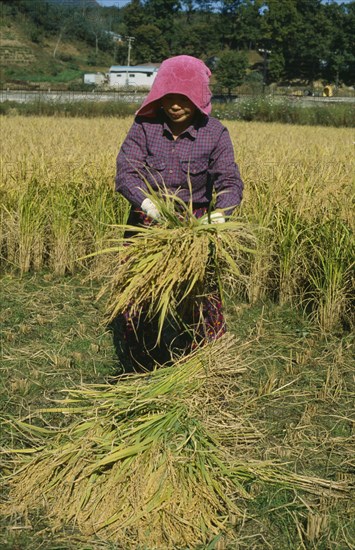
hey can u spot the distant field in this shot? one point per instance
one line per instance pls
(292, 316)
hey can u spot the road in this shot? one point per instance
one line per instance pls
(22, 96)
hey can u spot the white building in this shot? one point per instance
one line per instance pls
(115, 37)
(140, 76)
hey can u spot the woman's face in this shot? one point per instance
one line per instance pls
(179, 109)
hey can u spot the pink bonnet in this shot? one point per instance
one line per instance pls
(184, 75)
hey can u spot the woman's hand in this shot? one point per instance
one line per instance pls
(217, 217)
(150, 209)
(214, 217)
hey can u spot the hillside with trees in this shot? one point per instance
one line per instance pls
(260, 42)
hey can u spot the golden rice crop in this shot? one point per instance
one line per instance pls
(154, 460)
(57, 202)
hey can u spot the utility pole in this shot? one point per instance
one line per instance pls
(265, 53)
(130, 40)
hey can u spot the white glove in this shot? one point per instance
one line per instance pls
(150, 209)
(215, 217)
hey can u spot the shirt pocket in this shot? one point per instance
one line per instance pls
(155, 163)
(195, 167)
(155, 170)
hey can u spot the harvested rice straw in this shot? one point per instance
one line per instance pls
(171, 261)
(138, 464)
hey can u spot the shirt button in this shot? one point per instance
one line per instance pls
(170, 171)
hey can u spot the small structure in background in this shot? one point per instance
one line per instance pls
(97, 79)
(142, 76)
(328, 91)
(115, 37)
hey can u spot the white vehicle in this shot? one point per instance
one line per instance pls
(94, 78)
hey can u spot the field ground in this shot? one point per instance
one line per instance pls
(292, 313)
(296, 393)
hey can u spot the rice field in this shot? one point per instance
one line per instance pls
(291, 314)
(58, 204)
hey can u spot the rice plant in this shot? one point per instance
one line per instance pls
(100, 212)
(289, 236)
(331, 245)
(24, 227)
(260, 267)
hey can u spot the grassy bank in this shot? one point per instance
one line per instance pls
(253, 109)
(288, 111)
(87, 109)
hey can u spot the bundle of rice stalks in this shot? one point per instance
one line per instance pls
(168, 263)
(138, 463)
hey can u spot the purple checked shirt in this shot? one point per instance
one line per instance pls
(203, 153)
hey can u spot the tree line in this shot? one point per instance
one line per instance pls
(303, 40)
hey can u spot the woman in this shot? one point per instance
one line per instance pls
(175, 144)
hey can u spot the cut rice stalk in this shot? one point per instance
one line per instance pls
(168, 262)
(139, 463)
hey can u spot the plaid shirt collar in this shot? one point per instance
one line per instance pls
(191, 131)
